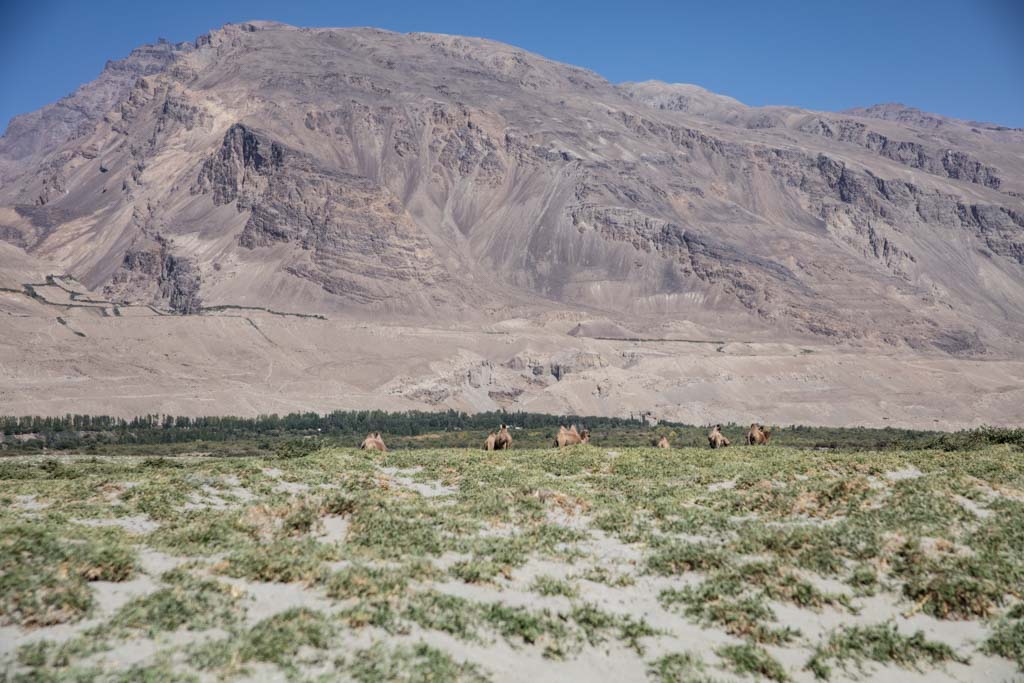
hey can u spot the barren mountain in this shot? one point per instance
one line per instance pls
(538, 219)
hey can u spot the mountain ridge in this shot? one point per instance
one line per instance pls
(368, 175)
(531, 73)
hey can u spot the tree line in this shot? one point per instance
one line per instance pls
(174, 428)
(447, 429)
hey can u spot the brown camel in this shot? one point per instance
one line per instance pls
(716, 439)
(571, 437)
(753, 434)
(489, 444)
(373, 442)
(758, 436)
(503, 440)
(663, 442)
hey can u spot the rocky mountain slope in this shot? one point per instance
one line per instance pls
(365, 175)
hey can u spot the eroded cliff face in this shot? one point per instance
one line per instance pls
(354, 237)
(151, 273)
(368, 172)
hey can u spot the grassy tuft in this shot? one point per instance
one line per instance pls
(417, 664)
(550, 586)
(879, 643)
(186, 601)
(1007, 638)
(677, 558)
(45, 567)
(678, 667)
(753, 660)
(283, 561)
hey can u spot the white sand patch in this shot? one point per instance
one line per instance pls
(448, 559)
(803, 520)
(972, 507)
(135, 524)
(334, 529)
(262, 672)
(695, 538)
(1003, 491)
(499, 591)
(112, 492)
(906, 473)
(722, 485)
(962, 636)
(610, 550)
(267, 599)
(198, 501)
(140, 650)
(29, 503)
(824, 584)
(609, 661)
(498, 530)
(940, 547)
(155, 563)
(212, 498)
(13, 637)
(240, 493)
(109, 596)
(568, 517)
(426, 489)
(290, 487)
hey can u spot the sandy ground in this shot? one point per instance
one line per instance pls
(248, 363)
(498, 658)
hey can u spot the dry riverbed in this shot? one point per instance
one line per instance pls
(627, 565)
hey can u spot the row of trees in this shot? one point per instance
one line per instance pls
(171, 428)
(451, 429)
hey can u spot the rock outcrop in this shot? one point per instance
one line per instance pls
(153, 273)
(356, 238)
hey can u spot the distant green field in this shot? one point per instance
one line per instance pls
(592, 563)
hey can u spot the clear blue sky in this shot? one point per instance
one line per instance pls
(962, 58)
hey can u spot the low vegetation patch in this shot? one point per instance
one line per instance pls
(549, 586)
(186, 601)
(45, 567)
(736, 598)
(283, 561)
(520, 554)
(276, 640)
(1007, 638)
(420, 663)
(678, 667)
(366, 581)
(882, 643)
(752, 660)
(677, 558)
